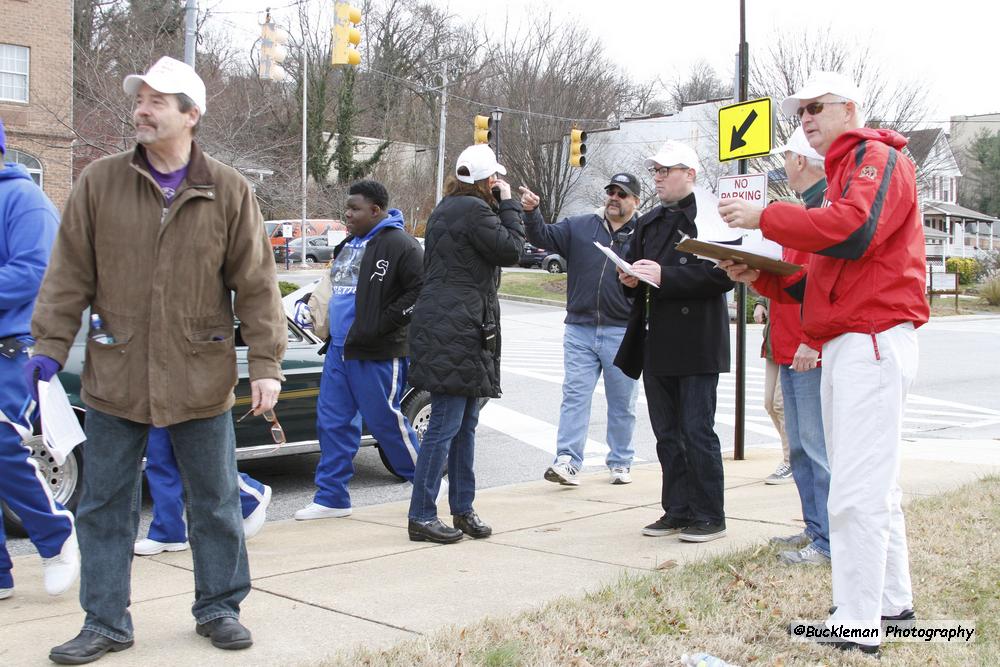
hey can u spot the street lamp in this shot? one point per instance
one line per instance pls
(496, 115)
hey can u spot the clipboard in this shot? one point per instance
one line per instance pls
(720, 251)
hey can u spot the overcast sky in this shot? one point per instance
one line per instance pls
(950, 47)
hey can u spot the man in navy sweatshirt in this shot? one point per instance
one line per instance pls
(597, 312)
(362, 308)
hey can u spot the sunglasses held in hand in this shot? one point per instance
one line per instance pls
(277, 433)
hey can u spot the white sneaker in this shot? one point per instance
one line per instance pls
(61, 571)
(807, 555)
(148, 547)
(563, 472)
(317, 511)
(781, 475)
(620, 475)
(253, 523)
(6, 593)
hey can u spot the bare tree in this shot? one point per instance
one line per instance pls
(555, 73)
(701, 83)
(780, 68)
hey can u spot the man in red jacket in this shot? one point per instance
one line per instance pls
(864, 298)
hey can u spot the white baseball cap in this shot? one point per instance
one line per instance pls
(822, 83)
(672, 154)
(170, 77)
(798, 144)
(481, 162)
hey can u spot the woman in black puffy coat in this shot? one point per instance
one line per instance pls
(455, 335)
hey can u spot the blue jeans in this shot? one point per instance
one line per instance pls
(108, 518)
(451, 439)
(21, 487)
(807, 450)
(587, 351)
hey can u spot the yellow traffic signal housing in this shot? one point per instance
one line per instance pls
(481, 134)
(272, 51)
(577, 148)
(345, 36)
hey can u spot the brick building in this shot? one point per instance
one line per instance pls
(36, 90)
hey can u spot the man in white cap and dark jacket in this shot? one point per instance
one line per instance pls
(864, 299)
(678, 340)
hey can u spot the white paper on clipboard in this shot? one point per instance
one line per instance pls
(60, 427)
(622, 264)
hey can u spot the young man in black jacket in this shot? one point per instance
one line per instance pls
(362, 308)
(678, 339)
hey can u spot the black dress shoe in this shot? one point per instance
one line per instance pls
(470, 524)
(226, 633)
(86, 647)
(433, 531)
(905, 615)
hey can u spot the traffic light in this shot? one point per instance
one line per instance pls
(345, 36)
(272, 51)
(577, 148)
(481, 133)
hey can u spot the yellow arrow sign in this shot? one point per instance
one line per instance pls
(745, 130)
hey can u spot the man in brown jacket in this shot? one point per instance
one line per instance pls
(163, 243)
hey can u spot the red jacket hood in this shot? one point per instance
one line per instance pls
(846, 142)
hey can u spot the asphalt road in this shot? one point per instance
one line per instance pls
(957, 395)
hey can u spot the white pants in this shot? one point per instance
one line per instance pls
(865, 381)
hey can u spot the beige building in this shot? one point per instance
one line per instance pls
(36, 90)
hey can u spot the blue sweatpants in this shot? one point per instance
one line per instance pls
(22, 486)
(168, 492)
(374, 388)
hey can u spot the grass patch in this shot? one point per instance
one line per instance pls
(944, 306)
(286, 287)
(737, 607)
(536, 284)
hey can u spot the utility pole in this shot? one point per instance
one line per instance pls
(741, 289)
(305, 174)
(441, 132)
(190, 31)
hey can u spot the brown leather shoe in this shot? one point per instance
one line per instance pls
(470, 524)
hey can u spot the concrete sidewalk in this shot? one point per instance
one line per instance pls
(332, 585)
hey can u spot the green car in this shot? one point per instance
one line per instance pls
(296, 410)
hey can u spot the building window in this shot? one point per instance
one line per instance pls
(29, 162)
(13, 73)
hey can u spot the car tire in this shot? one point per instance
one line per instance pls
(65, 481)
(554, 266)
(312, 258)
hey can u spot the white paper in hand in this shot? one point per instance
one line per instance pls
(711, 226)
(622, 264)
(60, 427)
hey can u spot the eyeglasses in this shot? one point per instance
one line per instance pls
(616, 192)
(814, 108)
(277, 433)
(663, 171)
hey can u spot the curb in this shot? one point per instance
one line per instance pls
(531, 299)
